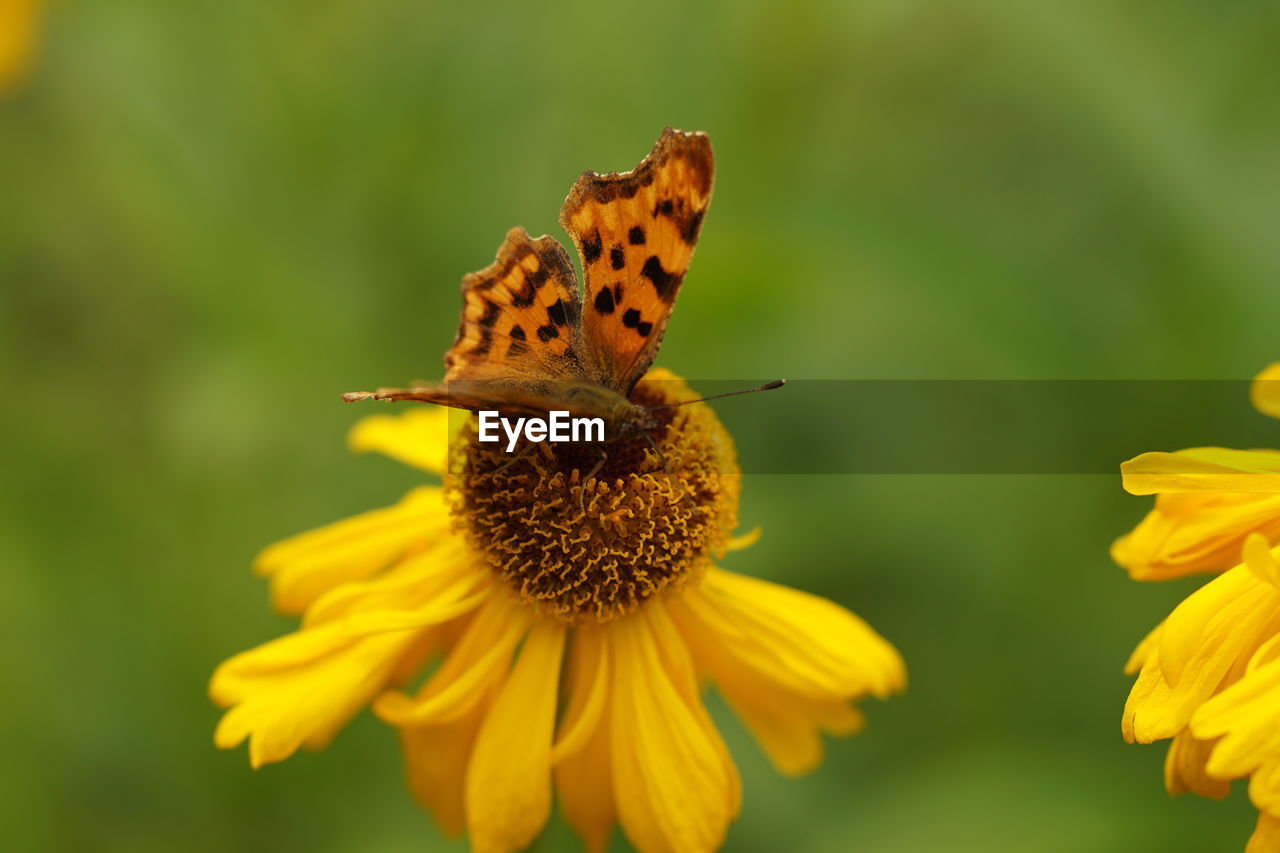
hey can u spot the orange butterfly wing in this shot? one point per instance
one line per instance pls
(519, 339)
(521, 315)
(635, 232)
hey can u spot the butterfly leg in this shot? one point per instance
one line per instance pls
(514, 459)
(582, 492)
(657, 450)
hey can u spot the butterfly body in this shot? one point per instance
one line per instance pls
(531, 340)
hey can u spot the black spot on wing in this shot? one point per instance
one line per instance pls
(636, 236)
(486, 321)
(617, 257)
(631, 319)
(592, 247)
(664, 207)
(538, 277)
(523, 297)
(490, 315)
(663, 282)
(517, 333)
(562, 313)
(546, 333)
(691, 228)
(604, 301)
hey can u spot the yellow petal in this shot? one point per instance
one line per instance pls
(1205, 643)
(588, 691)
(1265, 391)
(1246, 718)
(508, 786)
(785, 714)
(302, 688)
(1184, 768)
(584, 784)
(1144, 650)
(676, 661)
(1200, 469)
(449, 570)
(1195, 532)
(1264, 782)
(1215, 626)
(805, 643)
(583, 769)
(1266, 835)
(480, 659)
(417, 436)
(1261, 560)
(304, 567)
(436, 757)
(670, 784)
(788, 727)
(746, 540)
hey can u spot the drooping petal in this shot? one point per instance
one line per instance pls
(1246, 719)
(588, 692)
(1144, 651)
(805, 643)
(449, 570)
(416, 435)
(302, 688)
(786, 662)
(1222, 622)
(1201, 469)
(508, 785)
(789, 726)
(670, 783)
(480, 659)
(583, 768)
(1261, 560)
(678, 664)
(1265, 391)
(1192, 532)
(1205, 644)
(1266, 835)
(436, 757)
(306, 566)
(1184, 768)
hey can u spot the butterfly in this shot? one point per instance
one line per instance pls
(531, 341)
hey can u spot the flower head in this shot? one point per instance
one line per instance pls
(573, 607)
(1209, 675)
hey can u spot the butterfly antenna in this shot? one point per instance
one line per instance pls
(768, 386)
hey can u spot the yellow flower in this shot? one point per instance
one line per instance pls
(19, 20)
(1208, 676)
(1208, 499)
(572, 621)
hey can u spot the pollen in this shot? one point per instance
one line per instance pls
(590, 531)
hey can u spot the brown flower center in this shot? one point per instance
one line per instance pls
(578, 546)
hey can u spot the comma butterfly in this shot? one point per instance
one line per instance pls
(529, 343)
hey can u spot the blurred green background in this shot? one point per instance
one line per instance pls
(216, 216)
